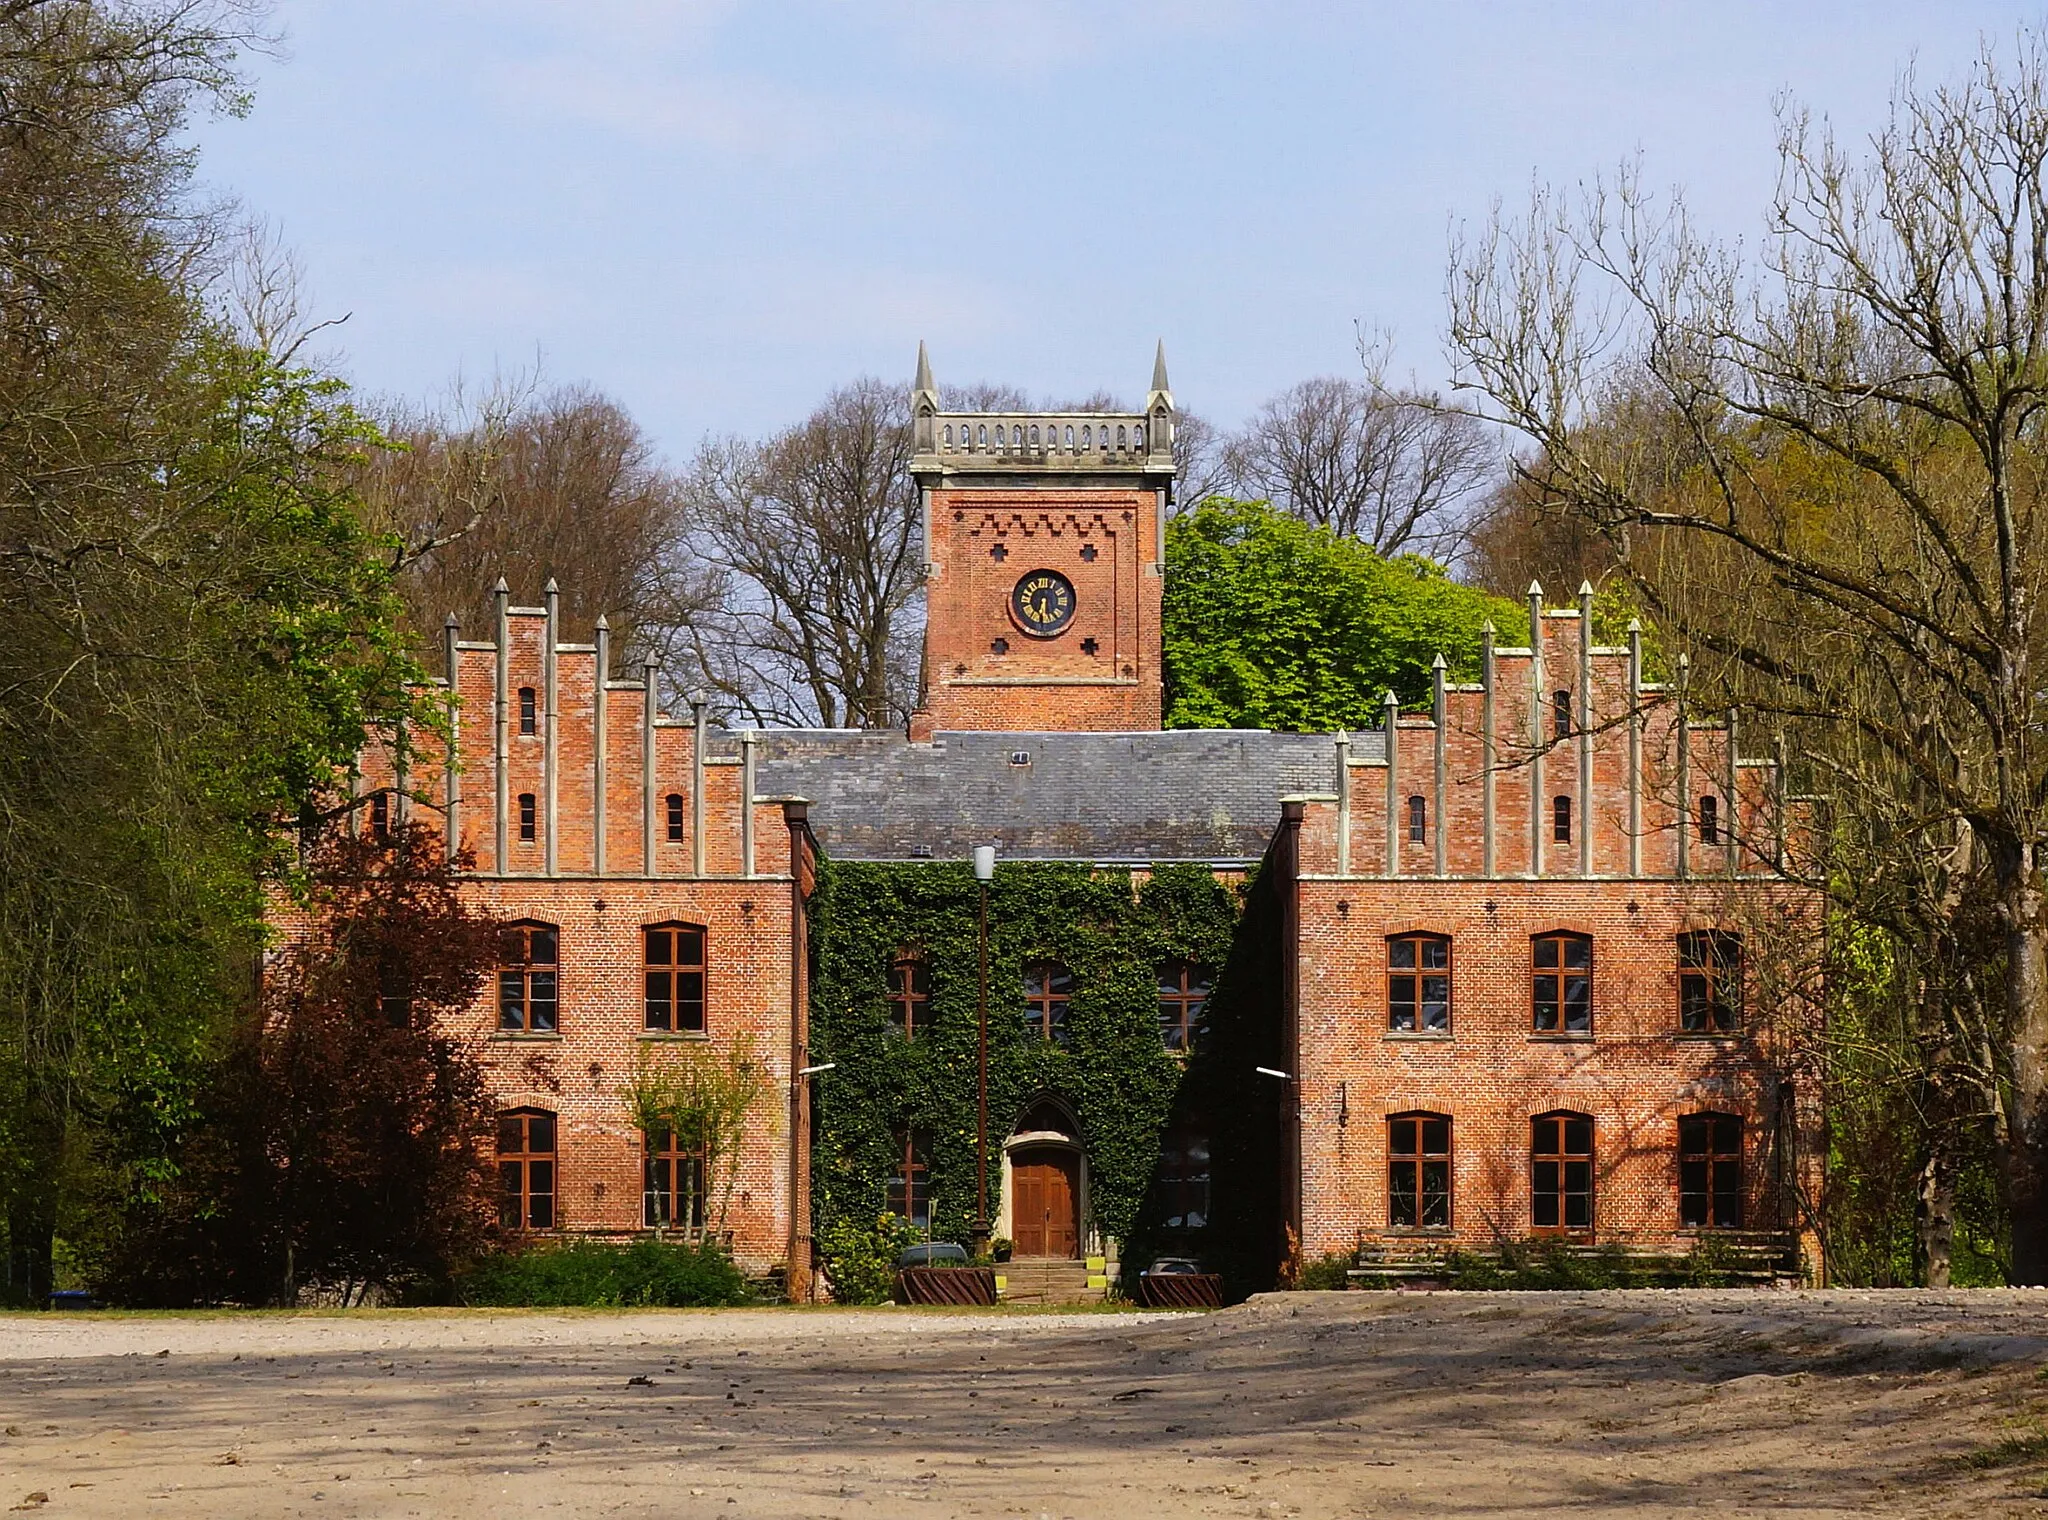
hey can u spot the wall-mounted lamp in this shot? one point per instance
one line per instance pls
(599, 905)
(984, 862)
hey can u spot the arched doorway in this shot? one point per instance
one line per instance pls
(1045, 1183)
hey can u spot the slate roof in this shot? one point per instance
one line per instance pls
(1200, 794)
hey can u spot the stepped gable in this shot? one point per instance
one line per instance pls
(1199, 794)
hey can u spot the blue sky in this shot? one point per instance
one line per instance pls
(718, 211)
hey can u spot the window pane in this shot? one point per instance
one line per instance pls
(511, 1000)
(1727, 1132)
(1546, 1002)
(540, 1134)
(1402, 1135)
(540, 1211)
(1692, 1133)
(1578, 1003)
(1692, 1194)
(540, 1177)
(1578, 954)
(541, 1000)
(1692, 1002)
(1170, 1034)
(1401, 1200)
(659, 944)
(1543, 1196)
(659, 1007)
(1578, 1137)
(511, 1131)
(1436, 954)
(1401, 1002)
(1401, 953)
(1436, 1194)
(511, 1178)
(689, 947)
(1546, 952)
(1436, 1137)
(1436, 1003)
(1060, 979)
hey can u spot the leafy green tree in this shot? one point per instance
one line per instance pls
(1273, 623)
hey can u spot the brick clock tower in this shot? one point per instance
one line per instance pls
(1044, 547)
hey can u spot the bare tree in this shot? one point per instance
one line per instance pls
(562, 486)
(1837, 514)
(816, 534)
(1392, 467)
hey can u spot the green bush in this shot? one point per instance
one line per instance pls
(860, 1261)
(589, 1274)
(1327, 1272)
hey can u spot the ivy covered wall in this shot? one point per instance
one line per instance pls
(1113, 929)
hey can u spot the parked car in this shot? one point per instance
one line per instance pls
(933, 1253)
(1175, 1266)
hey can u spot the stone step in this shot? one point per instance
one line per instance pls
(1050, 1280)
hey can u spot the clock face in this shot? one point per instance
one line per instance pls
(1043, 603)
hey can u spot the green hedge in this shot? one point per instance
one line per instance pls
(590, 1274)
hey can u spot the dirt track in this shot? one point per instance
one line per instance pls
(1317, 1405)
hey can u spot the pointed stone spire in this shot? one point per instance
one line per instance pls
(551, 589)
(603, 621)
(924, 406)
(1585, 588)
(1635, 625)
(924, 370)
(1439, 663)
(1159, 366)
(501, 589)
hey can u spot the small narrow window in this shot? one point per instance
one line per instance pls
(673, 967)
(1419, 983)
(675, 817)
(1183, 1005)
(1419, 1172)
(910, 994)
(1709, 982)
(1048, 988)
(1418, 820)
(1561, 984)
(1710, 820)
(527, 818)
(394, 993)
(528, 711)
(1710, 1172)
(1561, 713)
(528, 966)
(1184, 1179)
(1561, 1174)
(380, 817)
(526, 1170)
(1561, 819)
(672, 1183)
(910, 1193)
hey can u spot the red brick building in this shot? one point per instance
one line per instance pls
(1511, 986)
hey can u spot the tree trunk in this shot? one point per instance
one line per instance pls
(1935, 1217)
(2024, 1162)
(31, 1238)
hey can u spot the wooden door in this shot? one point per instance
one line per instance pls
(1045, 1203)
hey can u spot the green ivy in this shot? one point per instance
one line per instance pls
(1112, 928)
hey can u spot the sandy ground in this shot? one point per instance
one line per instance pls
(1313, 1405)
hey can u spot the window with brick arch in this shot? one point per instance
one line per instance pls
(1710, 1171)
(1419, 983)
(1419, 1171)
(1710, 820)
(1561, 1174)
(529, 711)
(910, 994)
(380, 817)
(526, 1169)
(1561, 984)
(675, 817)
(910, 1193)
(672, 1183)
(1183, 1005)
(528, 967)
(1561, 714)
(528, 817)
(1418, 820)
(1048, 989)
(1709, 982)
(1561, 819)
(673, 964)
(1184, 1178)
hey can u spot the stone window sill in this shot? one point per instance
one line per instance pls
(1563, 1037)
(1707, 1036)
(516, 1036)
(675, 1036)
(1420, 1036)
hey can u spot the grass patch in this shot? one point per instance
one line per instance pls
(2014, 1451)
